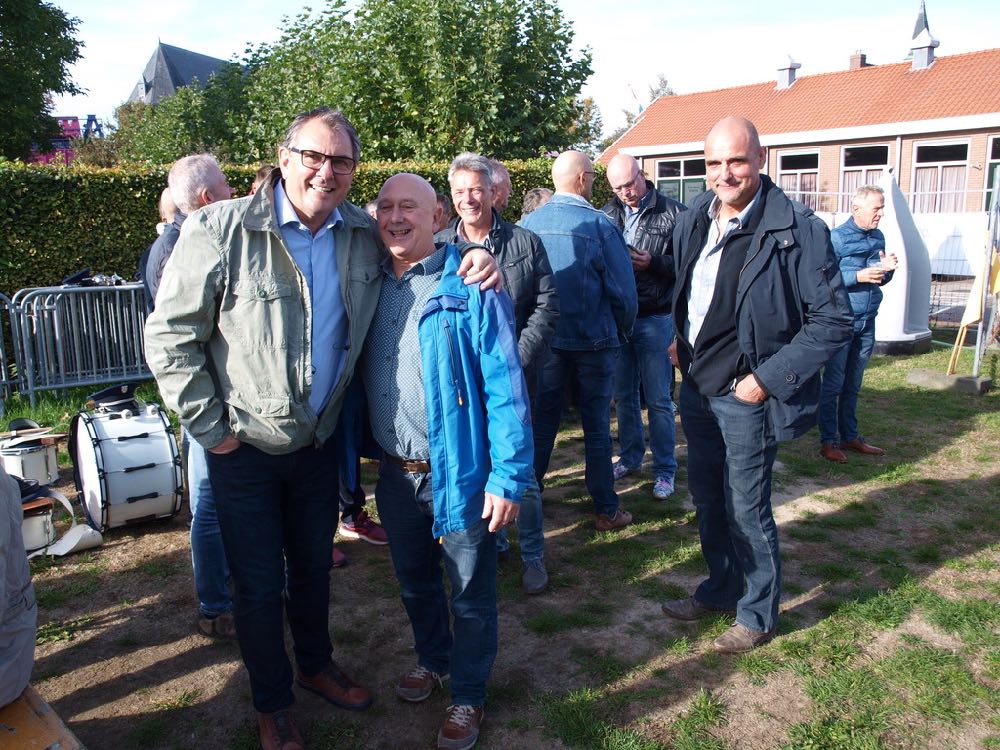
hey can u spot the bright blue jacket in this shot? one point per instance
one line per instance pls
(856, 248)
(478, 418)
(593, 273)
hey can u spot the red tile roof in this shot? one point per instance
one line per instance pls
(953, 86)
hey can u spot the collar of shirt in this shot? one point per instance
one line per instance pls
(488, 242)
(738, 221)
(429, 265)
(574, 197)
(286, 213)
(643, 203)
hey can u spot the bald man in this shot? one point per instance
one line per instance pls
(593, 276)
(759, 307)
(457, 451)
(646, 218)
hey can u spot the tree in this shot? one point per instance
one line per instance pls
(36, 49)
(588, 127)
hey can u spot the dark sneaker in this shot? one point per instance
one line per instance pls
(418, 684)
(278, 732)
(461, 729)
(534, 577)
(740, 639)
(337, 688)
(691, 609)
(362, 527)
(619, 520)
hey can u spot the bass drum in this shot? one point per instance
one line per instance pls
(126, 466)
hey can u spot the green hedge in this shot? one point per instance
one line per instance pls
(55, 221)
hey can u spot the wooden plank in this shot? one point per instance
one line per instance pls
(29, 723)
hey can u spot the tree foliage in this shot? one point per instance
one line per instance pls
(656, 90)
(36, 49)
(420, 79)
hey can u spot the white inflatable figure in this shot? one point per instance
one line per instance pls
(901, 324)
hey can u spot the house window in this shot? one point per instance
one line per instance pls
(681, 179)
(939, 177)
(862, 165)
(993, 172)
(798, 176)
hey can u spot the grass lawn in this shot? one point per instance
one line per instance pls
(889, 637)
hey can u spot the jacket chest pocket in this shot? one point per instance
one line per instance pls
(265, 307)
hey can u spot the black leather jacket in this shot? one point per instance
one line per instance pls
(527, 277)
(655, 285)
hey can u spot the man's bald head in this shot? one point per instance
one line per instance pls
(407, 210)
(627, 180)
(733, 160)
(573, 172)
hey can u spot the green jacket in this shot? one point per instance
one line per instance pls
(229, 342)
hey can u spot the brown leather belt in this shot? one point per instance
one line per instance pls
(414, 466)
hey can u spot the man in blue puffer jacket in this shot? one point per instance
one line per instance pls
(457, 451)
(865, 266)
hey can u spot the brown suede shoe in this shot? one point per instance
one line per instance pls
(461, 729)
(278, 732)
(619, 520)
(691, 609)
(740, 639)
(337, 688)
(832, 452)
(418, 684)
(861, 446)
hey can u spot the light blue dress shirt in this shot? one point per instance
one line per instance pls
(316, 257)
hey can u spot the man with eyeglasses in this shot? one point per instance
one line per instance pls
(262, 312)
(646, 218)
(597, 306)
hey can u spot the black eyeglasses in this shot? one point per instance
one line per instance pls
(626, 185)
(315, 160)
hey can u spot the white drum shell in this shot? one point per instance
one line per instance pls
(37, 462)
(128, 466)
(38, 530)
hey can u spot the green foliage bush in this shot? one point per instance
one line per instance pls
(55, 221)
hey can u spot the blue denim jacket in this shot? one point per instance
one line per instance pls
(593, 274)
(856, 248)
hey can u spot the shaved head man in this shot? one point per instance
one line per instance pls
(445, 394)
(759, 307)
(646, 219)
(597, 312)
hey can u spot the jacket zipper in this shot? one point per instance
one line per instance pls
(454, 361)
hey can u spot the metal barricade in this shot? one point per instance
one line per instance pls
(78, 335)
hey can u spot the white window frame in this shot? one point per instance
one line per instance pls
(914, 166)
(991, 164)
(845, 197)
(812, 199)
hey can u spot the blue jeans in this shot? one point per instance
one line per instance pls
(405, 508)
(530, 534)
(842, 376)
(731, 450)
(278, 514)
(594, 372)
(644, 360)
(208, 558)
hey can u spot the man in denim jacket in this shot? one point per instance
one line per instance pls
(865, 266)
(597, 309)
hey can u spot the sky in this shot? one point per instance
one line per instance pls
(631, 43)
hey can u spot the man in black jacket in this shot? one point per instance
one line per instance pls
(646, 218)
(527, 277)
(759, 307)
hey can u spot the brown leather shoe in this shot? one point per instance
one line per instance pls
(861, 446)
(691, 609)
(278, 732)
(619, 520)
(461, 729)
(337, 688)
(418, 684)
(739, 639)
(832, 452)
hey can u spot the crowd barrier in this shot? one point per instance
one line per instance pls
(70, 336)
